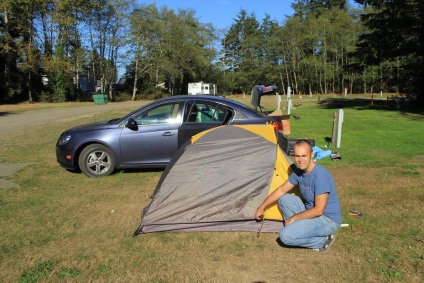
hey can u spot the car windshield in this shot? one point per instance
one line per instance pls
(110, 122)
(132, 113)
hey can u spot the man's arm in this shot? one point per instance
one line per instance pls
(317, 210)
(273, 197)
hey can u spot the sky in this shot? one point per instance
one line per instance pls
(221, 13)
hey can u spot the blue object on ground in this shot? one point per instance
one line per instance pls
(319, 153)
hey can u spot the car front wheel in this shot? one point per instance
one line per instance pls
(96, 160)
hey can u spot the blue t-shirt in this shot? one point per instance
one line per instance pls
(318, 181)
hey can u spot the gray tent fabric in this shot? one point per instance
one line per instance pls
(214, 184)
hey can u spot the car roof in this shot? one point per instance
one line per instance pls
(196, 97)
(209, 98)
(217, 99)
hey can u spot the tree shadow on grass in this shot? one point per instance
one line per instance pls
(395, 104)
(138, 170)
(5, 113)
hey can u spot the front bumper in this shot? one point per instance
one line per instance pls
(65, 157)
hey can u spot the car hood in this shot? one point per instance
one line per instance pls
(91, 126)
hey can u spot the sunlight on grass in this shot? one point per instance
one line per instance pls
(61, 226)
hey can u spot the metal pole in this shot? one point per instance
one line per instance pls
(289, 104)
(340, 118)
(278, 101)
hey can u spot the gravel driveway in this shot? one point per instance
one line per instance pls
(15, 122)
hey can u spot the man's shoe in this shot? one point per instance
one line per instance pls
(328, 242)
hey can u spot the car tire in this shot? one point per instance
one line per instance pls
(96, 160)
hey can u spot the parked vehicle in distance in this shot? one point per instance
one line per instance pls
(201, 88)
(149, 136)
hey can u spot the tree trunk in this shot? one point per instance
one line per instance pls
(287, 72)
(77, 83)
(135, 72)
(325, 65)
(29, 88)
(295, 90)
(93, 66)
(282, 83)
(365, 82)
(29, 85)
(110, 90)
(7, 60)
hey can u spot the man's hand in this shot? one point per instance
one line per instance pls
(289, 220)
(272, 198)
(259, 213)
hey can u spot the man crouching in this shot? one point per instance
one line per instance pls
(310, 221)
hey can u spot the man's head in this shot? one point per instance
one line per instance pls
(303, 155)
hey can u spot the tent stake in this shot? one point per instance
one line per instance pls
(260, 228)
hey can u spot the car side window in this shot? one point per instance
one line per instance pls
(204, 112)
(240, 116)
(161, 114)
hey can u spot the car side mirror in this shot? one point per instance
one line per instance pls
(132, 124)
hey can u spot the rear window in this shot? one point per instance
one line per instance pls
(247, 107)
(240, 116)
(205, 111)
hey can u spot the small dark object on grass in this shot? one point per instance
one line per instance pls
(355, 212)
(296, 116)
(335, 156)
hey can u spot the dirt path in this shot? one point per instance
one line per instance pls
(13, 122)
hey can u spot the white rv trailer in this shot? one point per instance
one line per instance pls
(201, 88)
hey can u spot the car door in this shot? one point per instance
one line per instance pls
(153, 140)
(202, 115)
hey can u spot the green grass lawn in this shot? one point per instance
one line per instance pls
(59, 226)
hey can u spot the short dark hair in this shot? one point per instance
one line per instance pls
(303, 142)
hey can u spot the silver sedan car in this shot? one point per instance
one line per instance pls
(149, 136)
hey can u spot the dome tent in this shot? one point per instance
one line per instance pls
(217, 180)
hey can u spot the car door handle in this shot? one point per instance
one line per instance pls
(167, 134)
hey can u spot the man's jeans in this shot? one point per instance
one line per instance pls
(309, 233)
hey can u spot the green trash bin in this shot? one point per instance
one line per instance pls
(100, 98)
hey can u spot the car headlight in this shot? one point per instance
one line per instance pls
(64, 139)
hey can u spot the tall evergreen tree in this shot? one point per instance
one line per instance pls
(303, 8)
(17, 56)
(242, 45)
(396, 34)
